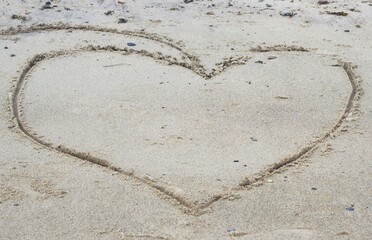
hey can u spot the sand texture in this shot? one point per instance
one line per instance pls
(185, 120)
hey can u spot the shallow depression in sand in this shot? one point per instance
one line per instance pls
(169, 124)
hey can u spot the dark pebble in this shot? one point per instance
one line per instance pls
(350, 209)
(130, 44)
(48, 3)
(271, 57)
(188, 1)
(109, 13)
(322, 2)
(343, 14)
(15, 204)
(313, 188)
(253, 139)
(5, 47)
(259, 61)
(122, 20)
(287, 13)
(12, 55)
(46, 7)
(236, 160)
(346, 30)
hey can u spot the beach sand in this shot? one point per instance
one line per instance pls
(185, 120)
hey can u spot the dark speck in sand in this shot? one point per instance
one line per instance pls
(287, 13)
(109, 13)
(122, 20)
(350, 209)
(130, 44)
(323, 2)
(342, 14)
(47, 5)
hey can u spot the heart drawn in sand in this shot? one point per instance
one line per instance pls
(194, 135)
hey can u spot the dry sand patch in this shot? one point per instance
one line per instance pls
(178, 128)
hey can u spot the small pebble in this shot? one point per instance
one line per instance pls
(253, 139)
(122, 20)
(343, 14)
(109, 13)
(46, 7)
(130, 44)
(313, 188)
(287, 13)
(12, 55)
(346, 30)
(271, 57)
(5, 47)
(236, 160)
(322, 2)
(350, 209)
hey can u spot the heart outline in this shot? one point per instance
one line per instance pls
(191, 207)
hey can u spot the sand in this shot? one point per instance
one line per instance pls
(221, 121)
